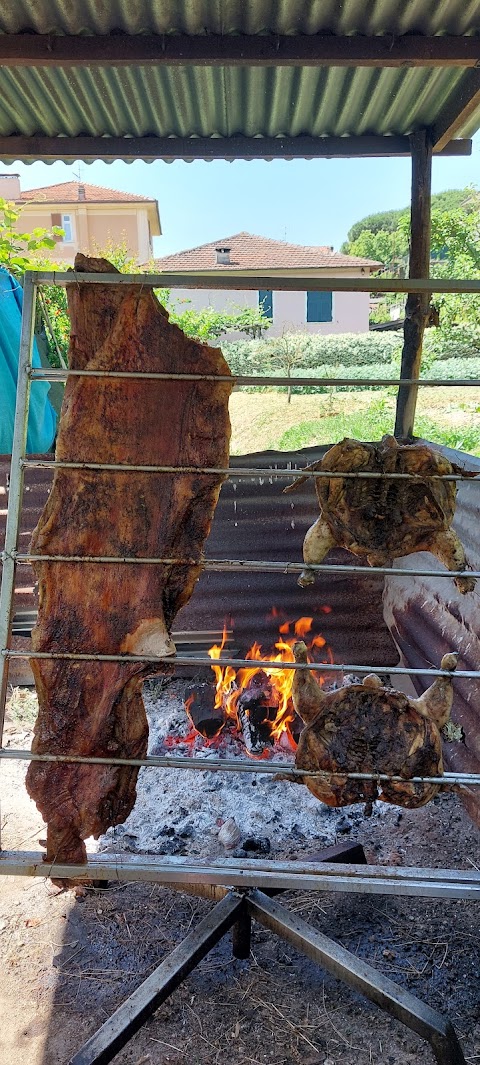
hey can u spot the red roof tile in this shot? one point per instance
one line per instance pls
(68, 192)
(249, 252)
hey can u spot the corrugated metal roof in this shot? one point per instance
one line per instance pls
(222, 102)
(241, 16)
(206, 101)
(428, 617)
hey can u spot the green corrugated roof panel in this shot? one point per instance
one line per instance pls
(241, 16)
(191, 101)
(202, 101)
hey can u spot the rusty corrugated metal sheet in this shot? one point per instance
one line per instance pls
(428, 617)
(422, 617)
(253, 520)
(222, 102)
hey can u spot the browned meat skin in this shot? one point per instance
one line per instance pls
(96, 708)
(367, 728)
(381, 519)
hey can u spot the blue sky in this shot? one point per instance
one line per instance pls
(306, 202)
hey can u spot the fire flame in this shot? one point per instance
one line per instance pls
(230, 684)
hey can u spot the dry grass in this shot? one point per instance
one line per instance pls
(260, 420)
(22, 706)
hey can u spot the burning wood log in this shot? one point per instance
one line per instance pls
(89, 707)
(206, 718)
(381, 518)
(366, 728)
(256, 707)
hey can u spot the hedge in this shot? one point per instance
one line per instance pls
(345, 349)
(348, 350)
(468, 369)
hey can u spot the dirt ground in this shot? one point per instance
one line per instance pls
(68, 962)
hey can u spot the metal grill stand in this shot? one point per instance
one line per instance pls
(235, 911)
(237, 881)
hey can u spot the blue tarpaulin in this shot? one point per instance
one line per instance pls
(42, 421)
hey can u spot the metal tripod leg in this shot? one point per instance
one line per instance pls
(115, 1033)
(427, 1023)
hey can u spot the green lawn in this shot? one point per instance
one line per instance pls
(263, 421)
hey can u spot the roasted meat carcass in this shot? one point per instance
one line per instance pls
(366, 728)
(380, 518)
(96, 708)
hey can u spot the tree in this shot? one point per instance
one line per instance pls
(456, 235)
(387, 221)
(389, 248)
(17, 249)
(286, 353)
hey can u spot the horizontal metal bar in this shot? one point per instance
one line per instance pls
(243, 50)
(217, 279)
(17, 146)
(242, 565)
(237, 663)
(236, 765)
(249, 471)
(244, 873)
(243, 381)
(106, 1043)
(360, 976)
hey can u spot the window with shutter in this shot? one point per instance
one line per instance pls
(265, 302)
(56, 220)
(319, 307)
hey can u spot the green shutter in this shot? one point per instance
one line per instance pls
(319, 307)
(265, 302)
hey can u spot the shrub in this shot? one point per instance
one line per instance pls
(345, 349)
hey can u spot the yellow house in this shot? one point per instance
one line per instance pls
(90, 216)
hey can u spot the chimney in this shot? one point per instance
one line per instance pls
(81, 192)
(223, 256)
(10, 186)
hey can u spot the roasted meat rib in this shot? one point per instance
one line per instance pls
(382, 519)
(92, 708)
(366, 728)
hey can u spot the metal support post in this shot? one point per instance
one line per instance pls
(242, 936)
(16, 482)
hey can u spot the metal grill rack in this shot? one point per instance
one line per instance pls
(236, 884)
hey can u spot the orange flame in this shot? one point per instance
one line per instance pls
(230, 684)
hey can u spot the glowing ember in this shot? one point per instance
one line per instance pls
(230, 684)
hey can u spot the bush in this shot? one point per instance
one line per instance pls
(345, 349)
(448, 369)
(462, 342)
(335, 353)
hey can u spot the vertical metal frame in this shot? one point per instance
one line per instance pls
(19, 447)
(236, 910)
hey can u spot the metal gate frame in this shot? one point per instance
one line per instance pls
(242, 899)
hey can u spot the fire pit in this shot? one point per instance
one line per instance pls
(234, 714)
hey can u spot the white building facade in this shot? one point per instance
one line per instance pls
(306, 311)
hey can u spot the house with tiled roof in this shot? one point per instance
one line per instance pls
(246, 255)
(91, 217)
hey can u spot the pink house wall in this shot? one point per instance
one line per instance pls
(350, 310)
